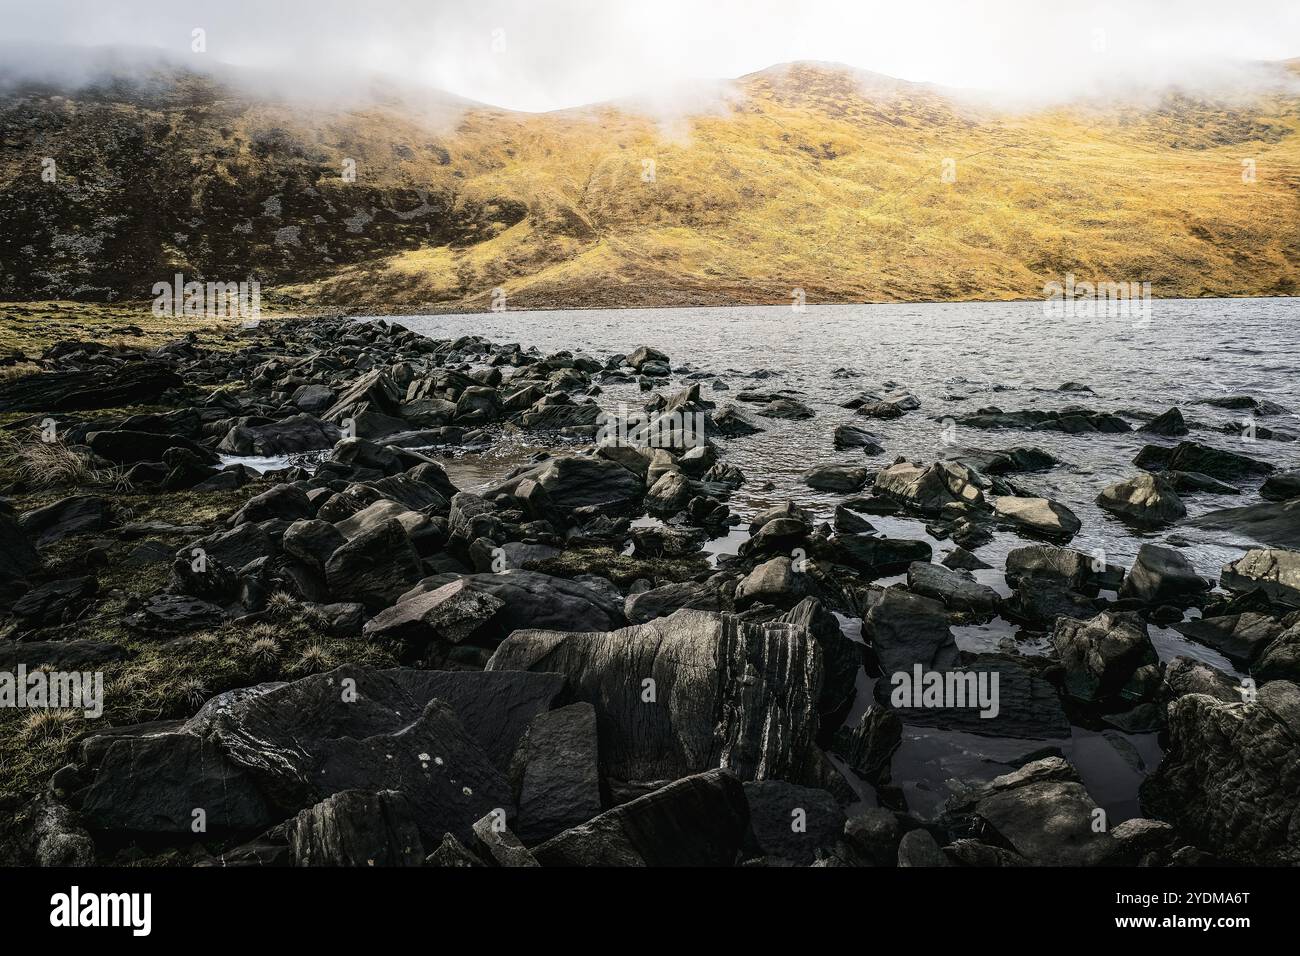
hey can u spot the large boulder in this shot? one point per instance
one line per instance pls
(251, 757)
(689, 692)
(1230, 777)
(572, 482)
(357, 828)
(1241, 638)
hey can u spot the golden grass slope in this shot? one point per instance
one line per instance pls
(818, 178)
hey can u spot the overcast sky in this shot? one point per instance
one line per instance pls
(547, 54)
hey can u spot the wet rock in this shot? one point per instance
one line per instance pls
(793, 823)
(1145, 500)
(1186, 675)
(906, 629)
(645, 354)
(1038, 516)
(357, 828)
(852, 436)
(1273, 570)
(1230, 777)
(787, 408)
(1167, 423)
(1191, 483)
(1047, 821)
(1108, 659)
(1163, 576)
(1272, 523)
(533, 599)
(959, 559)
(869, 747)
(733, 421)
(687, 693)
(850, 522)
(669, 494)
(1280, 660)
(554, 773)
(1238, 637)
(1193, 456)
(1282, 486)
(839, 478)
(955, 590)
(773, 582)
(78, 514)
(928, 489)
(1075, 570)
(1073, 419)
(701, 820)
(873, 555)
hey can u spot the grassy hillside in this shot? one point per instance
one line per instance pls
(805, 176)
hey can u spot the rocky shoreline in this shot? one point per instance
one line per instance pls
(350, 660)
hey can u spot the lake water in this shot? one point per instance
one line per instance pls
(957, 358)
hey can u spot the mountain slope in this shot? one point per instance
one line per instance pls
(808, 176)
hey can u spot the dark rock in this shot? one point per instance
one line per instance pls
(793, 823)
(1163, 576)
(1167, 423)
(1238, 637)
(1273, 570)
(1193, 456)
(1146, 500)
(701, 820)
(840, 478)
(136, 383)
(375, 567)
(1273, 523)
(357, 828)
(78, 514)
(688, 692)
(293, 435)
(1230, 777)
(554, 773)
(1107, 659)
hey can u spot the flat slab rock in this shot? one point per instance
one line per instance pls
(257, 755)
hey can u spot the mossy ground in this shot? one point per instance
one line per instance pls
(163, 678)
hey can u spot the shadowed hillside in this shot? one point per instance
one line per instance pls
(807, 176)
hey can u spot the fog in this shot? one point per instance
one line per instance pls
(552, 54)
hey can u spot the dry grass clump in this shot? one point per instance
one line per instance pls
(42, 464)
